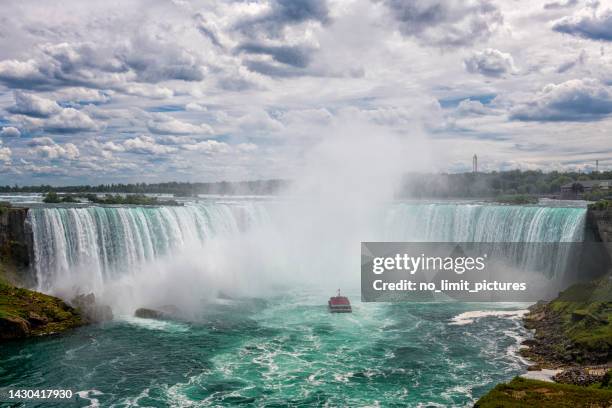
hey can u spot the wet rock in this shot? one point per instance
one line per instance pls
(91, 311)
(13, 328)
(166, 312)
(37, 320)
(145, 313)
(578, 376)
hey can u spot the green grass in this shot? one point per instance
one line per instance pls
(586, 314)
(521, 393)
(22, 303)
(516, 199)
(601, 205)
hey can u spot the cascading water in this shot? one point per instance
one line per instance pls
(103, 243)
(282, 348)
(484, 223)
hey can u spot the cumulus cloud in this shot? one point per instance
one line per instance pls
(490, 62)
(33, 105)
(258, 122)
(446, 23)
(69, 120)
(295, 56)
(195, 107)
(49, 115)
(208, 146)
(142, 58)
(144, 144)
(468, 107)
(5, 154)
(47, 148)
(580, 60)
(80, 95)
(10, 131)
(573, 100)
(165, 124)
(282, 13)
(587, 23)
(553, 5)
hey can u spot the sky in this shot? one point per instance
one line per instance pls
(161, 90)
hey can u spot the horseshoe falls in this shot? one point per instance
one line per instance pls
(269, 348)
(101, 243)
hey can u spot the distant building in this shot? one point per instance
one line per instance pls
(576, 189)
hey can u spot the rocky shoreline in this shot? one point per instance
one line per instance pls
(571, 349)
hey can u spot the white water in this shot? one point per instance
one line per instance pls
(87, 249)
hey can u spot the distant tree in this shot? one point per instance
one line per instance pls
(52, 197)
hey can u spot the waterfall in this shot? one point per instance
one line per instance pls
(97, 244)
(484, 223)
(105, 241)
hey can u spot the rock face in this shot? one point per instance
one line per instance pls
(91, 311)
(574, 329)
(599, 224)
(580, 376)
(145, 313)
(25, 313)
(16, 244)
(13, 328)
(166, 312)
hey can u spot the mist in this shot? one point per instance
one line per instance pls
(310, 238)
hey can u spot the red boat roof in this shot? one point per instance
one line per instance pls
(339, 300)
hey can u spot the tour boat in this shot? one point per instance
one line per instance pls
(339, 304)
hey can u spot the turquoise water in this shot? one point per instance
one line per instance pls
(282, 348)
(280, 351)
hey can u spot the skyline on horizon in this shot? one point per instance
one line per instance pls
(162, 90)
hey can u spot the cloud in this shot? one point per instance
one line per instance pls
(195, 107)
(208, 146)
(295, 56)
(21, 74)
(560, 4)
(41, 141)
(33, 105)
(164, 124)
(146, 145)
(80, 95)
(5, 154)
(567, 66)
(69, 120)
(490, 62)
(47, 148)
(573, 100)
(588, 24)
(142, 58)
(10, 131)
(446, 23)
(468, 107)
(259, 122)
(282, 13)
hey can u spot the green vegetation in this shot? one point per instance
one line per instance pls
(4, 207)
(135, 199)
(482, 185)
(460, 185)
(108, 199)
(257, 187)
(585, 313)
(52, 197)
(601, 205)
(26, 313)
(521, 392)
(516, 199)
(574, 328)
